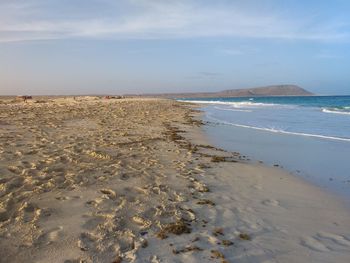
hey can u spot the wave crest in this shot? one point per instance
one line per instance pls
(337, 110)
(320, 136)
(241, 104)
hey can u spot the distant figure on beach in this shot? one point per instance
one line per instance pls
(113, 97)
(24, 97)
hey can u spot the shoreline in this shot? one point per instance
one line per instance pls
(274, 136)
(269, 194)
(340, 192)
(136, 180)
(201, 137)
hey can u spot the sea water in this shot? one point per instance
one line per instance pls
(308, 136)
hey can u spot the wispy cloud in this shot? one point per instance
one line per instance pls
(23, 20)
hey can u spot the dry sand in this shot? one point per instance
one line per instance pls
(134, 180)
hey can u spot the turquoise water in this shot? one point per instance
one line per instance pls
(334, 103)
(309, 136)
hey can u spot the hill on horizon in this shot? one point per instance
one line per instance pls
(272, 90)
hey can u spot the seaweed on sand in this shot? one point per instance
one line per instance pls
(244, 236)
(177, 228)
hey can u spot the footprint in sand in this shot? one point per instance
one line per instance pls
(124, 177)
(110, 194)
(4, 215)
(154, 259)
(86, 241)
(270, 202)
(337, 239)
(75, 260)
(50, 235)
(28, 212)
(142, 222)
(313, 244)
(64, 198)
(179, 197)
(14, 169)
(93, 222)
(187, 214)
(257, 187)
(201, 187)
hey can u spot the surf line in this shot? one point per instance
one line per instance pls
(281, 131)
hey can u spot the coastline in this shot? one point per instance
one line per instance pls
(139, 182)
(296, 135)
(291, 219)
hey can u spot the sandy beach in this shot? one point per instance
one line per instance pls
(135, 180)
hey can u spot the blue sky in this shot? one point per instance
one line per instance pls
(142, 46)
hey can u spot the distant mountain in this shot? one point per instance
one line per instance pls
(274, 90)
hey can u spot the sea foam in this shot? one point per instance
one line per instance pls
(344, 110)
(274, 130)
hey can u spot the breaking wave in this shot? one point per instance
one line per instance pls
(337, 110)
(241, 104)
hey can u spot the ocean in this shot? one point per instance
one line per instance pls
(308, 136)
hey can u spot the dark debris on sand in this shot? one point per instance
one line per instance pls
(177, 228)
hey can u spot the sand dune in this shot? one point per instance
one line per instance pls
(135, 180)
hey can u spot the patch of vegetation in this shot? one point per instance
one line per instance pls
(218, 231)
(203, 166)
(177, 228)
(227, 243)
(172, 133)
(203, 189)
(190, 120)
(118, 260)
(207, 146)
(217, 159)
(217, 254)
(244, 236)
(191, 147)
(205, 202)
(187, 249)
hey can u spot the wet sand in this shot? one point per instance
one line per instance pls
(134, 180)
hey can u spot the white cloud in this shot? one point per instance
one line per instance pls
(152, 19)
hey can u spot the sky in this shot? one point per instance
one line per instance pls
(63, 47)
